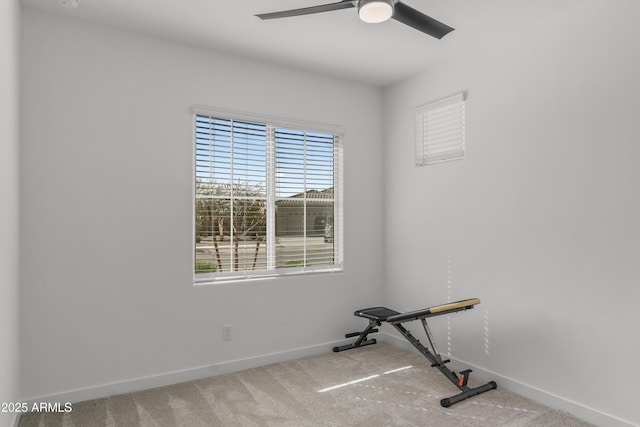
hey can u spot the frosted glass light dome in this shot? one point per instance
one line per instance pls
(375, 11)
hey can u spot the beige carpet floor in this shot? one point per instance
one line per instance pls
(379, 385)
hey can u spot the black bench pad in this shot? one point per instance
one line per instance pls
(376, 313)
(384, 314)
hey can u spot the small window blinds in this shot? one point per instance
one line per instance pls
(440, 130)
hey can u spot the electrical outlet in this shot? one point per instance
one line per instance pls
(226, 332)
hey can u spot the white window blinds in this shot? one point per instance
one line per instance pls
(440, 130)
(267, 200)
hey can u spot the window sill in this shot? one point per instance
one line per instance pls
(244, 278)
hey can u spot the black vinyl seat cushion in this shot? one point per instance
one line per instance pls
(376, 313)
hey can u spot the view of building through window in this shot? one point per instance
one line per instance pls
(265, 199)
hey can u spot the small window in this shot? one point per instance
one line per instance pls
(440, 130)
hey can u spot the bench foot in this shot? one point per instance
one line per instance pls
(466, 394)
(350, 346)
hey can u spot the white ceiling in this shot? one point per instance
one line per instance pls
(334, 43)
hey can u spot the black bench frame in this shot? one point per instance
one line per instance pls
(377, 315)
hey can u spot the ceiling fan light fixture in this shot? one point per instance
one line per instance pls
(375, 11)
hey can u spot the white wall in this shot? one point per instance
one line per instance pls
(9, 220)
(107, 217)
(540, 221)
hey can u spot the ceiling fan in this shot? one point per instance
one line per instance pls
(375, 11)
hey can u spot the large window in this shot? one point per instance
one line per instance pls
(268, 197)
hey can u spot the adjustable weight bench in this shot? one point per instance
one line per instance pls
(377, 315)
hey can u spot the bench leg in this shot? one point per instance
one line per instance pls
(362, 340)
(436, 361)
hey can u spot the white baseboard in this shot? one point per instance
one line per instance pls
(552, 400)
(176, 377)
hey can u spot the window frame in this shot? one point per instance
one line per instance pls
(274, 122)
